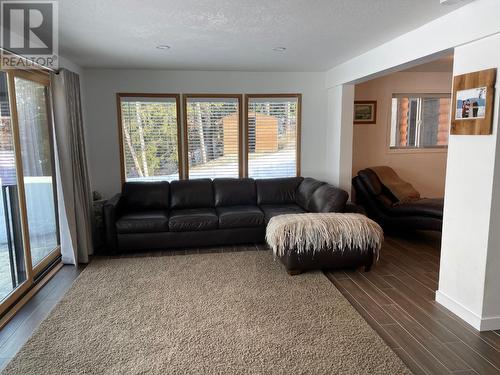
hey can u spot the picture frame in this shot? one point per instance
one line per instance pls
(365, 112)
(473, 102)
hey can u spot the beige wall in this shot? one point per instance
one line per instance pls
(425, 169)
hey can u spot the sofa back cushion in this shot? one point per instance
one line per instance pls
(306, 190)
(277, 190)
(234, 192)
(139, 196)
(191, 194)
(328, 198)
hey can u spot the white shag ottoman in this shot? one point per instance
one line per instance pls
(313, 241)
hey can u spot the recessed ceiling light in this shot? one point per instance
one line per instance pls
(279, 49)
(449, 2)
(163, 46)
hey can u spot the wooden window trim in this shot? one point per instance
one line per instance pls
(119, 97)
(239, 97)
(299, 125)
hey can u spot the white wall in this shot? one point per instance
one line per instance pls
(470, 260)
(425, 169)
(101, 87)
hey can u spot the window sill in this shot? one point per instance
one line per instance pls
(427, 150)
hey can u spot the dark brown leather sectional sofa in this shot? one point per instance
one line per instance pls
(192, 213)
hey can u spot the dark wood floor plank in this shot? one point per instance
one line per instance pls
(418, 244)
(428, 306)
(477, 362)
(23, 333)
(473, 341)
(337, 275)
(389, 340)
(415, 272)
(417, 287)
(492, 338)
(376, 312)
(432, 325)
(377, 280)
(410, 362)
(370, 289)
(442, 353)
(416, 351)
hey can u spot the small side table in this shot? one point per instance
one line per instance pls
(98, 224)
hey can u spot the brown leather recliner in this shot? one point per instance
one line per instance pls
(383, 207)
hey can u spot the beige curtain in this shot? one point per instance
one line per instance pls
(74, 193)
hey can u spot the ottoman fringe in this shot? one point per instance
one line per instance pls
(312, 232)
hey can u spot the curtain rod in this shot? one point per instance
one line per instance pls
(55, 71)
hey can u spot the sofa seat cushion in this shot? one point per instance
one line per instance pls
(193, 219)
(240, 216)
(420, 207)
(143, 222)
(271, 210)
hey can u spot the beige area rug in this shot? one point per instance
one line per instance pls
(227, 313)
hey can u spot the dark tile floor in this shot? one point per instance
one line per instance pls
(397, 299)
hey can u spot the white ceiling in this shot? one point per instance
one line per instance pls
(234, 34)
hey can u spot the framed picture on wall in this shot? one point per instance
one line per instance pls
(473, 96)
(365, 111)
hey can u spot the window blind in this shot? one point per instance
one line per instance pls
(213, 137)
(272, 136)
(150, 138)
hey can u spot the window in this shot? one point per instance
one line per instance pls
(420, 121)
(150, 136)
(212, 133)
(273, 135)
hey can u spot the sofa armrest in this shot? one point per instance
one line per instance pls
(328, 198)
(112, 211)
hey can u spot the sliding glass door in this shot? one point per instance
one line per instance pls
(12, 259)
(29, 239)
(37, 162)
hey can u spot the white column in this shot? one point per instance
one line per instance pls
(339, 136)
(469, 283)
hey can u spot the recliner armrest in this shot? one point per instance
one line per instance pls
(112, 211)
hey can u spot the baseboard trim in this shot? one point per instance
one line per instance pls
(491, 323)
(477, 322)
